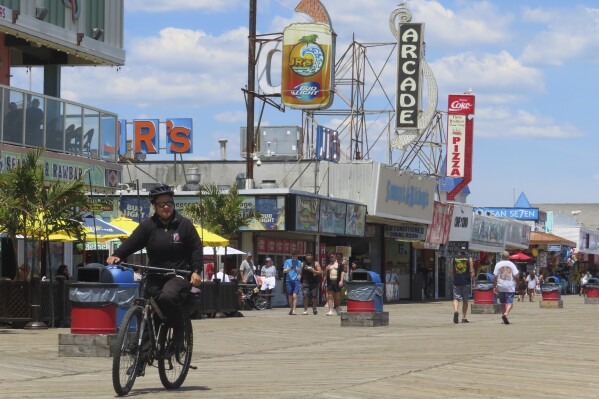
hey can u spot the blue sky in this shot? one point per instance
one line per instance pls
(531, 64)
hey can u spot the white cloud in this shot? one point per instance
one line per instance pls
(487, 73)
(181, 5)
(231, 116)
(571, 35)
(501, 122)
(476, 23)
(177, 68)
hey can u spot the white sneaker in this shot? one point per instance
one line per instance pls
(305, 312)
(330, 313)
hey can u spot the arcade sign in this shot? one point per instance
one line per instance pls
(409, 44)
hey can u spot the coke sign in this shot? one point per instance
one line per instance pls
(461, 104)
(460, 127)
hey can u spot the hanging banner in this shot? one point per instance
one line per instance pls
(438, 231)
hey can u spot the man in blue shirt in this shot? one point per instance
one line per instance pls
(293, 272)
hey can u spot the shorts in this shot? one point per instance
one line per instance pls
(310, 290)
(506, 298)
(461, 292)
(333, 286)
(292, 286)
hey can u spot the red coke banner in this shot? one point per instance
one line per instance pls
(459, 140)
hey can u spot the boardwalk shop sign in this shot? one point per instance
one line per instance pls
(146, 136)
(57, 169)
(407, 233)
(510, 213)
(409, 44)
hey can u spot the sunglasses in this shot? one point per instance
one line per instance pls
(162, 204)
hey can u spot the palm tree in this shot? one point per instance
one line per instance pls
(43, 208)
(220, 213)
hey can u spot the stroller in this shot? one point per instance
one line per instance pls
(251, 298)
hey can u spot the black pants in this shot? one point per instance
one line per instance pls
(170, 293)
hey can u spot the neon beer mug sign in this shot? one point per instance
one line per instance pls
(308, 66)
(146, 138)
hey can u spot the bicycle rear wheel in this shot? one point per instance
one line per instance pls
(261, 303)
(174, 366)
(127, 359)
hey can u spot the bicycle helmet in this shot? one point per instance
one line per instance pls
(159, 190)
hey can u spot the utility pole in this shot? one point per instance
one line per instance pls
(249, 149)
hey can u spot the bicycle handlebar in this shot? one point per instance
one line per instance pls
(165, 270)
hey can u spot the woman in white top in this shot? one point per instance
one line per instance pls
(531, 281)
(268, 273)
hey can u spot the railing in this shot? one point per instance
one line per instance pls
(16, 304)
(35, 120)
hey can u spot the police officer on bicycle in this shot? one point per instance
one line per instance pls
(171, 242)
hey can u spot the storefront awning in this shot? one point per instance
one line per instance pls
(539, 238)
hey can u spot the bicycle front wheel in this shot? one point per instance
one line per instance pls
(261, 303)
(173, 366)
(127, 359)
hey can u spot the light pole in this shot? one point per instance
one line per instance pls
(249, 149)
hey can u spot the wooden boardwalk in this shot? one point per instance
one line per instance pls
(544, 353)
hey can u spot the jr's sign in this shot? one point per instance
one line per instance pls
(146, 136)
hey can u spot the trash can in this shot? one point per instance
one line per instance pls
(380, 291)
(551, 290)
(128, 291)
(361, 292)
(93, 301)
(592, 288)
(483, 289)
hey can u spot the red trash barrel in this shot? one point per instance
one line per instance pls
(94, 300)
(484, 297)
(592, 292)
(361, 292)
(483, 289)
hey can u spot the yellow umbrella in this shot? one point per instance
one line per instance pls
(210, 239)
(125, 223)
(61, 237)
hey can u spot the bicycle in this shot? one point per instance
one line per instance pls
(144, 338)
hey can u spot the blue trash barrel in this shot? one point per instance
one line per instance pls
(128, 291)
(553, 279)
(380, 290)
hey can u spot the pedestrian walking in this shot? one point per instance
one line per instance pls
(504, 284)
(463, 272)
(268, 273)
(531, 281)
(310, 280)
(334, 280)
(292, 269)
